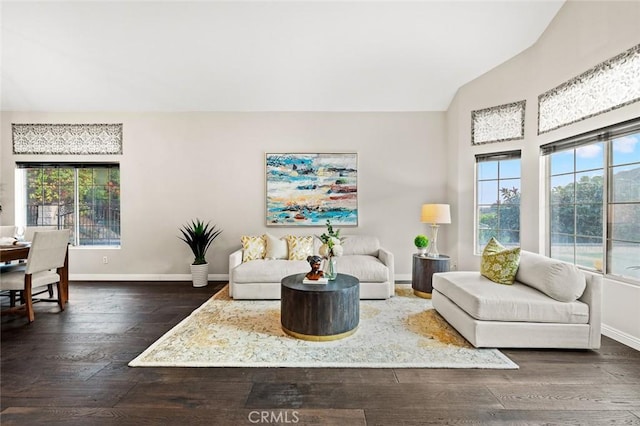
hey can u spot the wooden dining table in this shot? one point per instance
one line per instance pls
(20, 251)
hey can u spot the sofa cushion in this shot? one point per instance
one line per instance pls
(560, 280)
(498, 263)
(276, 247)
(517, 302)
(360, 244)
(365, 268)
(268, 271)
(253, 247)
(300, 247)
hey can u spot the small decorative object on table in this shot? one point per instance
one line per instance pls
(421, 242)
(315, 275)
(330, 249)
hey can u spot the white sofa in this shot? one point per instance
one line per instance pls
(551, 304)
(363, 258)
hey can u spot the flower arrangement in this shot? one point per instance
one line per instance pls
(331, 242)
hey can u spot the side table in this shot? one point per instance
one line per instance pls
(423, 270)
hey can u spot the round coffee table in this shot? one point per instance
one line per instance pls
(320, 312)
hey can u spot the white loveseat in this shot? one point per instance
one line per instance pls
(551, 304)
(363, 258)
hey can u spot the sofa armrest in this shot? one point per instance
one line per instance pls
(235, 259)
(592, 296)
(386, 257)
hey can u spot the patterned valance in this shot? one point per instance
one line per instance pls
(605, 87)
(498, 124)
(67, 138)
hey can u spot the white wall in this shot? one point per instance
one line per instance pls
(582, 35)
(178, 166)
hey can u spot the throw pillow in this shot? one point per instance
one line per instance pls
(276, 247)
(253, 247)
(499, 264)
(299, 247)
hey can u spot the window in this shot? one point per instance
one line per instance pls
(82, 197)
(594, 200)
(498, 199)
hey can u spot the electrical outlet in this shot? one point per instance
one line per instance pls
(105, 260)
(454, 266)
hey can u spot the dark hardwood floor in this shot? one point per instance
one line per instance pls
(71, 368)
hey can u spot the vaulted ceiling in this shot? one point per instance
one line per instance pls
(256, 55)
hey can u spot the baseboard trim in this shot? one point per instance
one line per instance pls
(142, 277)
(621, 336)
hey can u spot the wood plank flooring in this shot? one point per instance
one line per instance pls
(71, 368)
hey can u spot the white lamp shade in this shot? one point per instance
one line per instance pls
(435, 213)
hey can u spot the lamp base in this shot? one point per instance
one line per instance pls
(433, 247)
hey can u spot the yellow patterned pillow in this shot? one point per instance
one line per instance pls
(499, 264)
(300, 247)
(253, 247)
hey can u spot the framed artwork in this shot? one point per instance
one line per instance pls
(307, 189)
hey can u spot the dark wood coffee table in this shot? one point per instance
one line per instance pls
(320, 312)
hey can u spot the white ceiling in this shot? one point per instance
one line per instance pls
(256, 55)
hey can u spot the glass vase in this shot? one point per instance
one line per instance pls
(330, 270)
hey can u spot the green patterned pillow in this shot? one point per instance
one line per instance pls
(299, 247)
(498, 263)
(253, 247)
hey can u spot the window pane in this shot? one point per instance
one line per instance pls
(589, 187)
(562, 162)
(590, 157)
(626, 149)
(625, 222)
(484, 235)
(488, 192)
(509, 238)
(510, 217)
(562, 219)
(488, 170)
(487, 217)
(589, 220)
(510, 191)
(589, 252)
(562, 189)
(562, 247)
(623, 259)
(510, 169)
(625, 183)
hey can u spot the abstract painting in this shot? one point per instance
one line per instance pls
(309, 189)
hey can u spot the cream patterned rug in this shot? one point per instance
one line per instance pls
(401, 332)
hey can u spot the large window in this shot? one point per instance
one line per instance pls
(594, 200)
(84, 198)
(498, 198)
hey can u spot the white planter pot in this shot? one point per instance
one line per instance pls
(422, 251)
(200, 275)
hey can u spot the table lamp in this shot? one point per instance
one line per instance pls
(435, 214)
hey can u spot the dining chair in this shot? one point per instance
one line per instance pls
(7, 231)
(30, 230)
(46, 258)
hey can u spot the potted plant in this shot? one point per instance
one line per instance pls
(421, 242)
(199, 236)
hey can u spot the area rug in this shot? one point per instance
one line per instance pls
(401, 332)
